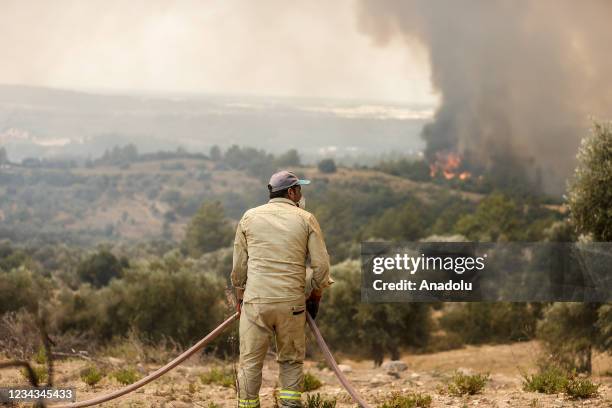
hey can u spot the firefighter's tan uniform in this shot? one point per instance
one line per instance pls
(272, 244)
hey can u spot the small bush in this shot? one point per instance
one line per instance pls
(387, 324)
(223, 377)
(91, 375)
(152, 299)
(192, 388)
(311, 382)
(99, 268)
(40, 372)
(412, 400)
(581, 388)
(316, 401)
(128, 349)
(550, 380)
(126, 376)
(569, 332)
(21, 288)
(327, 166)
(41, 356)
(464, 384)
(478, 323)
(134, 349)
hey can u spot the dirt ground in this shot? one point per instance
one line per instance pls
(425, 374)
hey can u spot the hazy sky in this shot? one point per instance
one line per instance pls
(269, 47)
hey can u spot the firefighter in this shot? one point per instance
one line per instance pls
(273, 244)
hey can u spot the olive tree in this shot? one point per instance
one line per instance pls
(571, 331)
(589, 193)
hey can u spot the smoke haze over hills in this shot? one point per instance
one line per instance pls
(42, 122)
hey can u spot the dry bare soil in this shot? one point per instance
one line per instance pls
(426, 373)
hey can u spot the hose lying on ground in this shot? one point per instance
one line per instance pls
(332, 363)
(158, 373)
(199, 345)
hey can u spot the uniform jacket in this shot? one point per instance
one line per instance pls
(272, 245)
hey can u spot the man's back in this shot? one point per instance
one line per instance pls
(273, 242)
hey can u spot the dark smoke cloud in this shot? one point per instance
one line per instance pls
(518, 80)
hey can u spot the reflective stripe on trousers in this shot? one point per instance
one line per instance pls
(248, 403)
(290, 395)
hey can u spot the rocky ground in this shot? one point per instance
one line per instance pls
(425, 374)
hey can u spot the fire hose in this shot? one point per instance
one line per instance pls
(334, 366)
(203, 342)
(157, 373)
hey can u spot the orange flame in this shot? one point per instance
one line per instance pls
(448, 164)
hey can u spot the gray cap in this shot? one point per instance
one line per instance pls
(284, 179)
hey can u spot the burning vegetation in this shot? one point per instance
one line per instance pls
(448, 165)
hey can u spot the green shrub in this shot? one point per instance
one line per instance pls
(311, 382)
(99, 268)
(412, 400)
(581, 388)
(11, 257)
(126, 376)
(571, 331)
(41, 356)
(464, 384)
(316, 401)
(417, 170)
(40, 373)
(477, 323)
(208, 230)
(157, 298)
(345, 318)
(553, 380)
(497, 216)
(134, 349)
(550, 380)
(589, 195)
(327, 166)
(404, 222)
(223, 377)
(91, 375)
(21, 288)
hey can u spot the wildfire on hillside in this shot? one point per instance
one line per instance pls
(448, 165)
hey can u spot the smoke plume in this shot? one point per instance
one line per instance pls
(518, 80)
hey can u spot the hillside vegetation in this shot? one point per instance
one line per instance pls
(127, 197)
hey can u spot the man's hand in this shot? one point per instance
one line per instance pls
(239, 306)
(239, 295)
(312, 303)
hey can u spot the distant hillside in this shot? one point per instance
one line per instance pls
(44, 122)
(155, 199)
